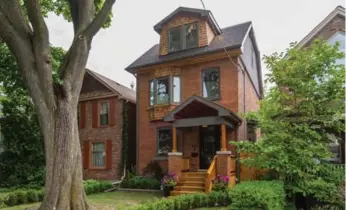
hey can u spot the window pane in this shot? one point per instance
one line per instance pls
(98, 154)
(162, 96)
(104, 119)
(251, 133)
(164, 142)
(191, 35)
(104, 114)
(211, 84)
(151, 93)
(174, 39)
(176, 89)
(104, 108)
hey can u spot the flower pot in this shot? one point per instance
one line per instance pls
(167, 191)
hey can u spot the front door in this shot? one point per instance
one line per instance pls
(209, 144)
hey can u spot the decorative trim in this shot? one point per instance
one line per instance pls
(175, 154)
(224, 153)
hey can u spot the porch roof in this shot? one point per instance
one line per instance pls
(203, 110)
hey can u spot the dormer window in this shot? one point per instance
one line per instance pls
(183, 37)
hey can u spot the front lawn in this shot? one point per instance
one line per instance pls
(110, 200)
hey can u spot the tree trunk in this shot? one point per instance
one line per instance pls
(64, 176)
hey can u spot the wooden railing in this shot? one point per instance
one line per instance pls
(185, 164)
(210, 176)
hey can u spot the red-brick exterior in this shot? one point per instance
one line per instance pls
(93, 92)
(236, 94)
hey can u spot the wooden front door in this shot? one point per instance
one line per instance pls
(209, 144)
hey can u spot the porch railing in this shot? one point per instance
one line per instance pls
(210, 176)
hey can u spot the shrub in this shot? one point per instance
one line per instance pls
(268, 195)
(137, 182)
(11, 199)
(21, 197)
(186, 202)
(153, 169)
(220, 183)
(32, 196)
(93, 186)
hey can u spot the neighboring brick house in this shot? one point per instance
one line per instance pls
(190, 87)
(101, 112)
(332, 29)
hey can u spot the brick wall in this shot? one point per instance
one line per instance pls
(113, 133)
(182, 18)
(191, 77)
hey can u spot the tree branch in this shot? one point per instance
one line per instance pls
(99, 20)
(41, 50)
(14, 14)
(82, 12)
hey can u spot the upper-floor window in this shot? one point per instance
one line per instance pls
(165, 90)
(104, 113)
(183, 37)
(339, 37)
(211, 83)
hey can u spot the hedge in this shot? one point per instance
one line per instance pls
(268, 195)
(186, 202)
(31, 196)
(141, 183)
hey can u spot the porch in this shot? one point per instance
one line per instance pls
(200, 131)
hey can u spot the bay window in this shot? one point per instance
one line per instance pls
(165, 90)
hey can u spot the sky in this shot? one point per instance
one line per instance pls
(276, 23)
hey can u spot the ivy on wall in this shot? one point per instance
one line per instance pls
(124, 151)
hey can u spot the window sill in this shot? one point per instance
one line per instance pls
(161, 158)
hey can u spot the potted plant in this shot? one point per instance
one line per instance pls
(169, 181)
(220, 183)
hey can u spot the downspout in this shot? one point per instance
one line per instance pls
(137, 124)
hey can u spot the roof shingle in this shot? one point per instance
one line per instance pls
(231, 38)
(125, 92)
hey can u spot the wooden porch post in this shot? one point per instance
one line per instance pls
(174, 143)
(223, 137)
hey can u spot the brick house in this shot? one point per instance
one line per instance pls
(190, 88)
(332, 29)
(103, 104)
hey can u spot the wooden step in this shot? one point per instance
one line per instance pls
(193, 174)
(191, 178)
(174, 193)
(192, 183)
(189, 188)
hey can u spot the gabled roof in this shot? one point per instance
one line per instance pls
(231, 38)
(221, 110)
(203, 13)
(338, 11)
(124, 92)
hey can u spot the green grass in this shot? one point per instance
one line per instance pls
(110, 200)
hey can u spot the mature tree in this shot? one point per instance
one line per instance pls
(302, 109)
(22, 161)
(23, 29)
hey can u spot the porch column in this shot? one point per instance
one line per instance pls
(174, 143)
(223, 137)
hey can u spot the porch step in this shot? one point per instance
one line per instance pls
(191, 183)
(193, 174)
(174, 193)
(188, 188)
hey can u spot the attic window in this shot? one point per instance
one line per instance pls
(183, 37)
